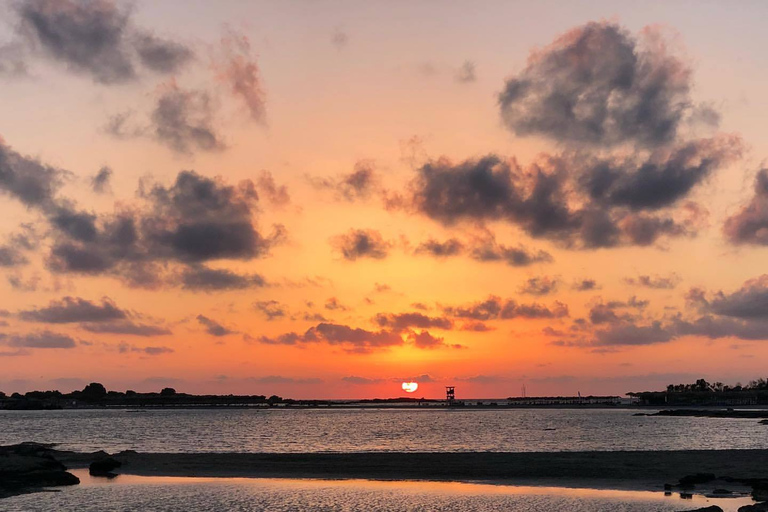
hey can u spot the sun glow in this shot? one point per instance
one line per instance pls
(410, 387)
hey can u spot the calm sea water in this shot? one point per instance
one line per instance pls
(243, 494)
(355, 430)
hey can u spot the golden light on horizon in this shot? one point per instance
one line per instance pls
(410, 387)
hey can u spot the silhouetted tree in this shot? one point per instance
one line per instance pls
(167, 392)
(94, 390)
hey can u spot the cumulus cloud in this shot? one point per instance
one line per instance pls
(748, 302)
(28, 180)
(96, 38)
(585, 285)
(750, 224)
(126, 327)
(213, 327)
(361, 243)
(352, 339)
(599, 84)
(195, 220)
(75, 310)
(630, 334)
(404, 321)
(41, 339)
(543, 285)
(494, 308)
(425, 340)
(201, 278)
(447, 248)
(271, 309)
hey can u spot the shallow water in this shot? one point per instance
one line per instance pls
(166, 494)
(355, 430)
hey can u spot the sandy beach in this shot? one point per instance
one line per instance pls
(618, 470)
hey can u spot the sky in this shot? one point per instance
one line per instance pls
(326, 199)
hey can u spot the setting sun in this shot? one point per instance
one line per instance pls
(410, 387)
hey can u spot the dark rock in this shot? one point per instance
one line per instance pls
(28, 467)
(698, 478)
(104, 467)
(764, 422)
(757, 507)
(722, 491)
(712, 508)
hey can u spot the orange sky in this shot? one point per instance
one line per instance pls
(324, 200)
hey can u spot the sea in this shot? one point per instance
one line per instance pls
(280, 430)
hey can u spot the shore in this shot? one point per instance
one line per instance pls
(618, 470)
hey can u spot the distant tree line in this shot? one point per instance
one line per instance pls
(96, 395)
(702, 392)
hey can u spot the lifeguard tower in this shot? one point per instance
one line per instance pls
(450, 395)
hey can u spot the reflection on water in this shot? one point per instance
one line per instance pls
(412, 430)
(171, 494)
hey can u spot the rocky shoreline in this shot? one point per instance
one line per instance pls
(29, 467)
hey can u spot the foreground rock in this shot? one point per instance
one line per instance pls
(104, 467)
(713, 508)
(28, 467)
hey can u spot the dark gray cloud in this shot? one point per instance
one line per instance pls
(14, 252)
(487, 249)
(27, 179)
(360, 184)
(750, 224)
(239, 72)
(100, 183)
(432, 247)
(631, 334)
(543, 285)
(361, 243)
(572, 200)
(197, 219)
(41, 339)
(654, 282)
(161, 55)
(716, 328)
(403, 321)
(183, 121)
(598, 84)
(659, 180)
(496, 308)
(585, 285)
(490, 188)
(126, 327)
(352, 339)
(95, 38)
(205, 279)
(271, 309)
(425, 340)
(75, 310)
(748, 302)
(213, 327)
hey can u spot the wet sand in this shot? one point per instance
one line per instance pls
(618, 470)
